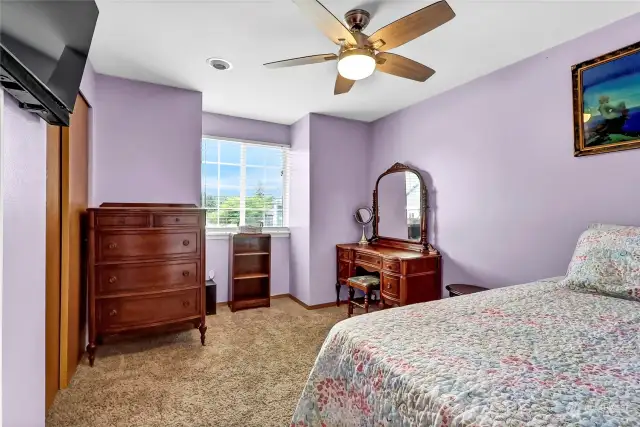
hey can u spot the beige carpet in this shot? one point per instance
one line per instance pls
(250, 373)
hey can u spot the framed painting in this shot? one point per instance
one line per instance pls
(606, 102)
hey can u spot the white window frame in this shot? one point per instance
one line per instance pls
(214, 233)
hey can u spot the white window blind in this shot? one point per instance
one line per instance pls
(245, 183)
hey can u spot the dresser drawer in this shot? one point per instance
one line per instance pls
(122, 220)
(146, 244)
(391, 265)
(391, 285)
(368, 259)
(176, 220)
(119, 278)
(113, 314)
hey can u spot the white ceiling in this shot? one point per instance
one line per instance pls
(167, 42)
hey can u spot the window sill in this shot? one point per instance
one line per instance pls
(216, 234)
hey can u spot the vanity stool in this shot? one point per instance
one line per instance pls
(366, 284)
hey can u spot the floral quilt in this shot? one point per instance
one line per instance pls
(530, 355)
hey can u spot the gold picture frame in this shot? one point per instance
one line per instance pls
(612, 125)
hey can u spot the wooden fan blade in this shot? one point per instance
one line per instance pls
(326, 21)
(400, 66)
(305, 60)
(412, 26)
(342, 85)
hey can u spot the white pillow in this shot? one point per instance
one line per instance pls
(607, 261)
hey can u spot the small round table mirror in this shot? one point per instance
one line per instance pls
(363, 217)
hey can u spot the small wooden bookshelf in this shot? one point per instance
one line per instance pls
(249, 271)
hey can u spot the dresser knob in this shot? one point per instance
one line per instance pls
(177, 219)
(185, 303)
(113, 245)
(185, 242)
(388, 285)
(112, 279)
(113, 312)
(185, 273)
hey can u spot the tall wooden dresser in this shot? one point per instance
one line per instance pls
(146, 268)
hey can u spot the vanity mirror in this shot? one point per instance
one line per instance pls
(400, 207)
(363, 217)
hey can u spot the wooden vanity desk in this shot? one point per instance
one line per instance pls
(410, 267)
(406, 276)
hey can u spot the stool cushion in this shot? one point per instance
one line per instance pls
(364, 281)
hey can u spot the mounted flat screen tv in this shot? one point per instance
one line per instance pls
(43, 51)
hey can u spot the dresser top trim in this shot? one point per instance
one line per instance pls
(386, 252)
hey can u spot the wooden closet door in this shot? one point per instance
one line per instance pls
(75, 200)
(53, 243)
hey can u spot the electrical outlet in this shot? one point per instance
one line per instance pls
(212, 274)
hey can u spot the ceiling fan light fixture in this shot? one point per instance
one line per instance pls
(356, 64)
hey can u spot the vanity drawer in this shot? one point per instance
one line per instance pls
(146, 244)
(176, 220)
(422, 265)
(391, 265)
(128, 220)
(391, 285)
(119, 278)
(368, 259)
(344, 254)
(344, 269)
(149, 310)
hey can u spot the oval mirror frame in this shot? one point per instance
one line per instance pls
(423, 244)
(358, 215)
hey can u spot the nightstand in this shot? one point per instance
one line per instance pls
(462, 289)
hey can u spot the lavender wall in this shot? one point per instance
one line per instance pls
(24, 260)
(300, 210)
(1, 238)
(246, 129)
(339, 185)
(509, 198)
(147, 145)
(23, 311)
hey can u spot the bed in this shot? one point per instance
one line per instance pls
(537, 354)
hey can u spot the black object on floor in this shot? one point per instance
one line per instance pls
(211, 297)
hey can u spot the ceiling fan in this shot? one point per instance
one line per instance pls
(360, 55)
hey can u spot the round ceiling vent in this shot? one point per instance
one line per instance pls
(219, 64)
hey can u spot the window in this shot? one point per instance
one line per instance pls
(244, 183)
